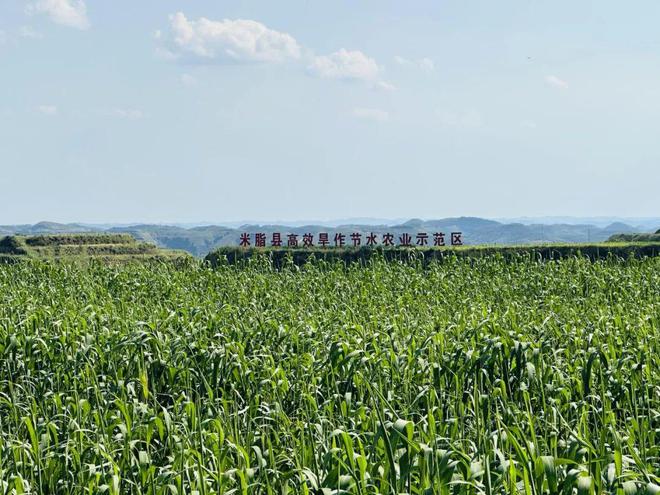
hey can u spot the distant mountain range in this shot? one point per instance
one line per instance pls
(200, 240)
(641, 224)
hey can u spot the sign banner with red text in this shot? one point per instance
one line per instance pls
(354, 239)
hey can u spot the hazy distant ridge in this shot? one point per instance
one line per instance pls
(201, 240)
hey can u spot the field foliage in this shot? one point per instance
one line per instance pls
(646, 237)
(300, 256)
(475, 375)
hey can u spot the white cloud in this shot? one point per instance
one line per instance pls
(8, 38)
(28, 32)
(468, 119)
(49, 110)
(528, 124)
(425, 63)
(346, 65)
(556, 82)
(237, 41)
(375, 114)
(71, 13)
(188, 80)
(248, 41)
(385, 86)
(400, 60)
(127, 113)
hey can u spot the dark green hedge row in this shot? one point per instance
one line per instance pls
(635, 238)
(11, 245)
(93, 250)
(141, 248)
(300, 256)
(78, 239)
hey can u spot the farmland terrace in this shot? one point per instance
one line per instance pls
(104, 247)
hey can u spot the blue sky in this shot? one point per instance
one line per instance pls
(185, 111)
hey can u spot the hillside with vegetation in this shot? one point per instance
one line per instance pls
(636, 237)
(101, 246)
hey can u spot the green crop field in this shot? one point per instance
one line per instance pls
(458, 376)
